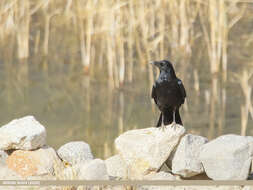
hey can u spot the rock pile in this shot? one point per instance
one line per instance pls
(148, 154)
(228, 157)
(24, 154)
(24, 150)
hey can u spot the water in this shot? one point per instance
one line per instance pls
(60, 99)
(73, 106)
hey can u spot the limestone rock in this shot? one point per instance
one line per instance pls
(116, 166)
(3, 156)
(89, 170)
(159, 176)
(75, 152)
(247, 188)
(25, 133)
(93, 170)
(33, 163)
(145, 150)
(185, 161)
(8, 174)
(227, 157)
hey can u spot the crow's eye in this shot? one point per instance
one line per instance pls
(162, 64)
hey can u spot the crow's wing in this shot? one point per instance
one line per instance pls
(182, 89)
(153, 94)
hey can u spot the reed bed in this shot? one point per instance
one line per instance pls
(120, 30)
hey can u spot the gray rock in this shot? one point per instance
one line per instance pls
(93, 170)
(75, 152)
(145, 150)
(116, 166)
(89, 170)
(185, 161)
(25, 133)
(227, 157)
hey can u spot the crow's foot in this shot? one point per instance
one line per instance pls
(173, 125)
(163, 127)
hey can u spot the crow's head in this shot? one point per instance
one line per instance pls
(165, 66)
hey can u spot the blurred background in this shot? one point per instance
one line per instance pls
(81, 67)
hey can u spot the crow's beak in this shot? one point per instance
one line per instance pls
(155, 63)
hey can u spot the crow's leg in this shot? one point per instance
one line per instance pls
(178, 118)
(163, 127)
(159, 122)
(173, 124)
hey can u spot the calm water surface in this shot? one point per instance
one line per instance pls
(76, 107)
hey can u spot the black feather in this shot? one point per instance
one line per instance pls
(168, 93)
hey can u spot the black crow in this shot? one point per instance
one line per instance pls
(168, 93)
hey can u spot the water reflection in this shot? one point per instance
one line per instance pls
(77, 107)
(93, 85)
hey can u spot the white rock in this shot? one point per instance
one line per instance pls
(3, 156)
(161, 176)
(8, 174)
(116, 166)
(247, 188)
(89, 170)
(145, 150)
(25, 133)
(75, 152)
(93, 170)
(185, 161)
(227, 157)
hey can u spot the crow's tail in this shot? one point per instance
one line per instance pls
(168, 118)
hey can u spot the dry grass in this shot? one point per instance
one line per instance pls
(118, 29)
(243, 78)
(122, 30)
